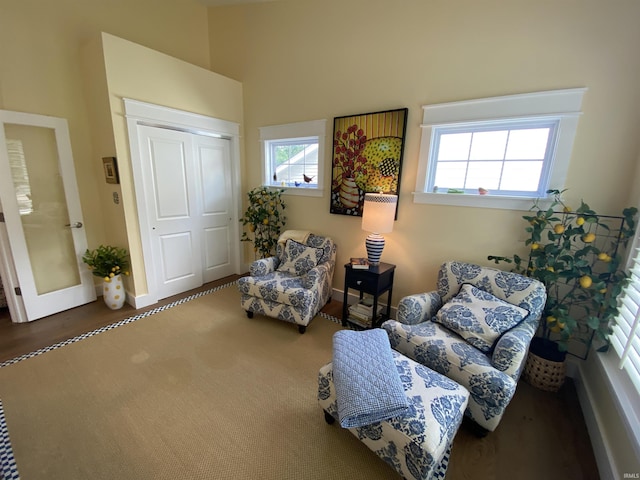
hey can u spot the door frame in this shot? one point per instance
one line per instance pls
(151, 115)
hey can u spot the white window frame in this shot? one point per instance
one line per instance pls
(315, 129)
(622, 362)
(563, 105)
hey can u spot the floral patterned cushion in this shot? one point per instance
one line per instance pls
(299, 258)
(479, 317)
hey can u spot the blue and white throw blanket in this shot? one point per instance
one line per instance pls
(365, 376)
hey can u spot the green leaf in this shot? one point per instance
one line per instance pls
(593, 322)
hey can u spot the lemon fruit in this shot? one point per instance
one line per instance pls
(585, 281)
(580, 221)
(566, 209)
(559, 229)
(535, 246)
(604, 257)
(589, 237)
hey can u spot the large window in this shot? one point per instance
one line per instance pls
(505, 158)
(497, 152)
(293, 157)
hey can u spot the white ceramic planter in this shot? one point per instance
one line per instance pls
(113, 292)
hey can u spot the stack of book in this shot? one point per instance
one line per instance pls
(362, 313)
(359, 263)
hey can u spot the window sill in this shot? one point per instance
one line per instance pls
(301, 192)
(479, 201)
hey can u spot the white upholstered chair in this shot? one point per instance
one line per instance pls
(475, 329)
(294, 284)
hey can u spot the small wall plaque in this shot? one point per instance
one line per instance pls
(110, 169)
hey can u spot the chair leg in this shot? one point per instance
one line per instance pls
(302, 329)
(328, 418)
(249, 314)
(474, 428)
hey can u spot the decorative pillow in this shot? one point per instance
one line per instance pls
(299, 258)
(479, 317)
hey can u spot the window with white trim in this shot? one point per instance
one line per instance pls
(625, 338)
(499, 152)
(292, 157)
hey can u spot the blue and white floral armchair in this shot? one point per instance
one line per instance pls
(475, 329)
(293, 285)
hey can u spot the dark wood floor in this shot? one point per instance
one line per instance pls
(542, 435)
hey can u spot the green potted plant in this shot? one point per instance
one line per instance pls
(577, 256)
(109, 263)
(265, 220)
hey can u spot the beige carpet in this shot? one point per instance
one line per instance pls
(197, 391)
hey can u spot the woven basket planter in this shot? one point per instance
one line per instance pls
(544, 374)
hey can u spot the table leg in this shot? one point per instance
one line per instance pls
(345, 307)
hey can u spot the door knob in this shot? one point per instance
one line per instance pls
(75, 225)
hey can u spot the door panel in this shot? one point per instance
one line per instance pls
(168, 166)
(174, 266)
(216, 258)
(214, 159)
(169, 174)
(40, 199)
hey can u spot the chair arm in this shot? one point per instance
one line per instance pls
(510, 352)
(318, 275)
(418, 308)
(263, 266)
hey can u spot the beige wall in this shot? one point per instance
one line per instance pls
(41, 72)
(302, 60)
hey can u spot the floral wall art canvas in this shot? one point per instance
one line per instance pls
(367, 157)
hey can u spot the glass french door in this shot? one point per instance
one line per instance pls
(41, 206)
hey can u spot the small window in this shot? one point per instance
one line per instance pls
(498, 152)
(292, 157)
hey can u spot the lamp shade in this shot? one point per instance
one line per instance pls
(379, 212)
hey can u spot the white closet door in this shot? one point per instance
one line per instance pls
(188, 197)
(172, 209)
(216, 199)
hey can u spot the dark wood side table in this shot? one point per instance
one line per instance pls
(375, 281)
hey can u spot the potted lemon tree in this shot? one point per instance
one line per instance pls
(264, 219)
(577, 255)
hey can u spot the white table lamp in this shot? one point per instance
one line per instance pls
(378, 215)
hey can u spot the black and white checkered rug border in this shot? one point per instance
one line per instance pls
(8, 466)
